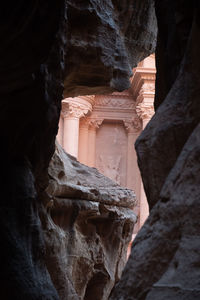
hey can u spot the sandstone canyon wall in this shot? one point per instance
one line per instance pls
(106, 39)
(164, 262)
(31, 76)
(40, 47)
(103, 40)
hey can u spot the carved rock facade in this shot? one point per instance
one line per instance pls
(103, 132)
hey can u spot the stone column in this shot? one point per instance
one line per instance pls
(133, 179)
(93, 125)
(72, 111)
(133, 127)
(83, 141)
(145, 111)
(59, 136)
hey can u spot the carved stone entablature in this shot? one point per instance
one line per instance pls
(133, 125)
(145, 110)
(112, 101)
(75, 108)
(95, 123)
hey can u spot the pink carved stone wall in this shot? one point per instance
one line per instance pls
(101, 131)
(111, 151)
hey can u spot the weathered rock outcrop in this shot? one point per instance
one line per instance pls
(31, 75)
(89, 229)
(164, 263)
(33, 38)
(106, 39)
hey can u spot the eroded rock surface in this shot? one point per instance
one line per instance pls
(33, 37)
(91, 227)
(106, 39)
(164, 259)
(31, 74)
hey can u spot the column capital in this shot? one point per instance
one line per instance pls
(145, 111)
(133, 125)
(74, 108)
(95, 123)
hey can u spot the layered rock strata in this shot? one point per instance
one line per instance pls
(88, 229)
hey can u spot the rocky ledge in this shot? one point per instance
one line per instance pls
(88, 226)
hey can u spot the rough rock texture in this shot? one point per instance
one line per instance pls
(33, 38)
(164, 262)
(106, 39)
(70, 178)
(90, 229)
(31, 75)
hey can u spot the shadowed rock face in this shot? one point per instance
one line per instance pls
(106, 39)
(31, 75)
(164, 259)
(34, 37)
(89, 230)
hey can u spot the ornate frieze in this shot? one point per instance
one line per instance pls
(112, 101)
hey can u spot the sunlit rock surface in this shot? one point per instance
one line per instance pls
(91, 227)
